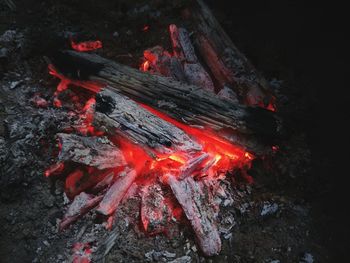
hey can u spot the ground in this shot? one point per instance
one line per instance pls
(295, 181)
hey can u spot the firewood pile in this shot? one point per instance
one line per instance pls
(170, 131)
(137, 131)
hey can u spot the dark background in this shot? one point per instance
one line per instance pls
(305, 44)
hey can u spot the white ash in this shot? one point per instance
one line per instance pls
(184, 259)
(307, 258)
(269, 209)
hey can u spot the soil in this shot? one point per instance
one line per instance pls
(287, 44)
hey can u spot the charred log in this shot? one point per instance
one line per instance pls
(116, 192)
(120, 115)
(184, 50)
(252, 128)
(163, 63)
(191, 197)
(228, 65)
(98, 152)
(81, 204)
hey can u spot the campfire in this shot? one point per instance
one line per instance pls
(169, 131)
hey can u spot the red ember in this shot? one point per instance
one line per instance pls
(218, 155)
(86, 46)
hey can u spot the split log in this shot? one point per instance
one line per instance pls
(98, 152)
(185, 103)
(116, 192)
(81, 204)
(120, 115)
(191, 197)
(228, 65)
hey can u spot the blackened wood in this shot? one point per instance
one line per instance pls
(117, 114)
(229, 66)
(250, 127)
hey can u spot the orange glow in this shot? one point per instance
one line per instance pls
(271, 107)
(177, 158)
(222, 156)
(145, 28)
(226, 155)
(217, 158)
(145, 66)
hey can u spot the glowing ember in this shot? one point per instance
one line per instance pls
(81, 253)
(217, 158)
(145, 28)
(154, 172)
(86, 46)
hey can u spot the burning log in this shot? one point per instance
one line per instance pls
(116, 192)
(81, 204)
(184, 103)
(191, 197)
(228, 65)
(183, 49)
(98, 152)
(121, 115)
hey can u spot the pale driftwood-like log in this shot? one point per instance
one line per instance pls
(120, 115)
(228, 65)
(98, 152)
(116, 192)
(81, 205)
(252, 128)
(191, 197)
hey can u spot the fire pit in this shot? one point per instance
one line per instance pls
(148, 142)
